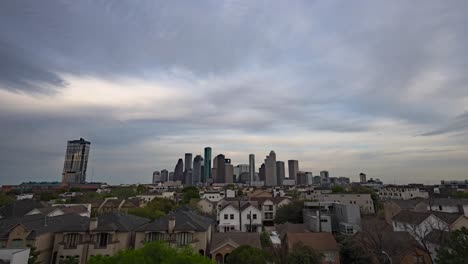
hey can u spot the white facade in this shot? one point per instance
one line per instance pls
(419, 231)
(251, 219)
(402, 193)
(228, 219)
(212, 196)
(14, 256)
(24, 196)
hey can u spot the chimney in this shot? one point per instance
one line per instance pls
(171, 224)
(93, 223)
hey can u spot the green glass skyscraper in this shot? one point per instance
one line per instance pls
(207, 165)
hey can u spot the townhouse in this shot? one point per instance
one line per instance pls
(402, 193)
(244, 216)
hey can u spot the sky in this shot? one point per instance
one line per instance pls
(379, 87)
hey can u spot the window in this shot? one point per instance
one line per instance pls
(2, 243)
(154, 236)
(232, 216)
(254, 216)
(183, 238)
(440, 207)
(102, 239)
(16, 243)
(225, 217)
(324, 220)
(72, 240)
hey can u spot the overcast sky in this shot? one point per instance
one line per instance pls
(379, 87)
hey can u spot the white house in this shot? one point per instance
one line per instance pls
(241, 216)
(402, 193)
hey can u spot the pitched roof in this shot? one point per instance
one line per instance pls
(449, 202)
(411, 217)
(39, 224)
(437, 236)
(76, 209)
(448, 218)
(275, 200)
(185, 220)
(291, 228)
(235, 239)
(318, 241)
(243, 204)
(19, 208)
(409, 204)
(120, 222)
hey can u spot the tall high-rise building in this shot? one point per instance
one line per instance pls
(324, 176)
(164, 175)
(270, 170)
(188, 161)
(219, 169)
(179, 171)
(228, 171)
(240, 169)
(280, 172)
(171, 176)
(207, 166)
(76, 161)
(252, 168)
(293, 168)
(156, 177)
(197, 169)
(261, 172)
(362, 177)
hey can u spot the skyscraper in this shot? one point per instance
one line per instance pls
(324, 176)
(362, 177)
(207, 165)
(293, 168)
(76, 161)
(252, 168)
(261, 173)
(188, 161)
(241, 169)
(156, 177)
(197, 169)
(219, 166)
(270, 170)
(164, 175)
(280, 172)
(179, 171)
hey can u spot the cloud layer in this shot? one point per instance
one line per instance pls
(372, 86)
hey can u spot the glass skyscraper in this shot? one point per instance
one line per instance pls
(76, 161)
(207, 166)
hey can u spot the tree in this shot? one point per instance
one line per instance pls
(455, 250)
(152, 253)
(301, 254)
(188, 193)
(155, 209)
(5, 199)
(338, 189)
(265, 240)
(247, 255)
(47, 196)
(70, 260)
(352, 253)
(33, 254)
(291, 212)
(123, 192)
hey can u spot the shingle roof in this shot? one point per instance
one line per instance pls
(243, 204)
(185, 220)
(19, 208)
(235, 239)
(449, 202)
(40, 224)
(291, 228)
(275, 200)
(120, 222)
(437, 236)
(318, 241)
(411, 217)
(448, 218)
(409, 204)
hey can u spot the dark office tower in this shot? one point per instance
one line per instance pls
(76, 161)
(188, 161)
(171, 176)
(197, 169)
(179, 171)
(280, 172)
(207, 166)
(164, 176)
(228, 171)
(293, 168)
(219, 167)
(252, 168)
(188, 178)
(270, 170)
(261, 173)
(362, 178)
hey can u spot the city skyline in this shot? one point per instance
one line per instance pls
(378, 87)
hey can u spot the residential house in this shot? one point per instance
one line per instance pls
(57, 210)
(322, 242)
(244, 216)
(34, 231)
(393, 207)
(207, 207)
(224, 243)
(402, 193)
(19, 208)
(180, 228)
(332, 217)
(363, 200)
(269, 206)
(104, 235)
(113, 204)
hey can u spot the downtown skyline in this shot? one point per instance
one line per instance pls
(370, 86)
